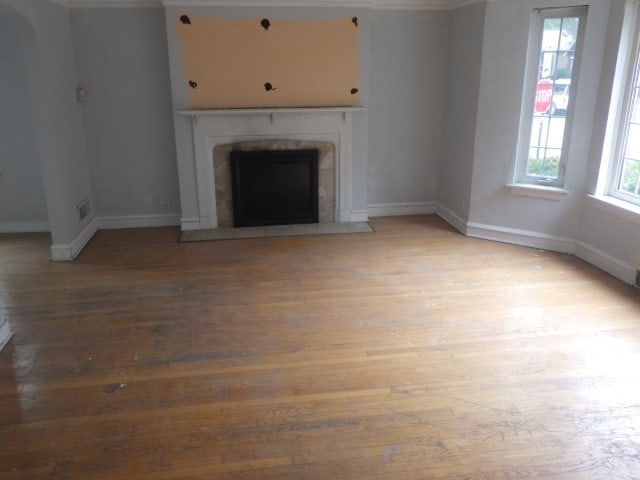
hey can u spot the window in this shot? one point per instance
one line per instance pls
(624, 173)
(553, 62)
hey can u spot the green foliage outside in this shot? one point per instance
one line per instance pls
(562, 73)
(630, 179)
(550, 168)
(544, 167)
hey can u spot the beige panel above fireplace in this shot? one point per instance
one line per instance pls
(267, 62)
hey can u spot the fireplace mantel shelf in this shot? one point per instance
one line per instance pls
(268, 111)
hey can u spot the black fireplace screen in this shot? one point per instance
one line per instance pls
(274, 187)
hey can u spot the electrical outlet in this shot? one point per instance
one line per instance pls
(83, 210)
(164, 204)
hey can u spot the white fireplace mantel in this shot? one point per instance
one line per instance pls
(226, 126)
(269, 111)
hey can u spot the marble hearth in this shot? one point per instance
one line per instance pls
(217, 132)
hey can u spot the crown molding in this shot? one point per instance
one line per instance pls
(465, 3)
(372, 4)
(109, 3)
(267, 3)
(410, 4)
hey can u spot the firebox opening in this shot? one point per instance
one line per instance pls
(274, 187)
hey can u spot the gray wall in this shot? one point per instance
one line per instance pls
(123, 65)
(406, 106)
(22, 203)
(463, 83)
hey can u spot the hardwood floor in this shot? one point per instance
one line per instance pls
(409, 353)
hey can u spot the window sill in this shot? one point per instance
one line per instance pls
(619, 208)
(538, 191)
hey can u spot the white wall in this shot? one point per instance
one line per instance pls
(443, 92)
(501, 83)
(124, 67)
(613, 243)
(573, 223)
(22, 203)
(406, 106)
(462, 90)
(603, 230)
(46, 37)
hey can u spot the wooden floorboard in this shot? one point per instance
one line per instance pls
(411, 353)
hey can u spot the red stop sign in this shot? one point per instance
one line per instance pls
(544, 96)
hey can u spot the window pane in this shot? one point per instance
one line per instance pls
(633, 142)
(634, 116)
(635, 107)
(544, 163)
(629, 179)
(557, 55)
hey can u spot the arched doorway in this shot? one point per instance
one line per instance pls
(44, 30)
(23, 206)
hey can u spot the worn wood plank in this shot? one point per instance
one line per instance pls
(410, 353)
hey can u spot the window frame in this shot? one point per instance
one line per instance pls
(538, 17)
(627, 70)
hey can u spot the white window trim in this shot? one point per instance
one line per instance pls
(537, 191)
(611, 163)
(522, 184)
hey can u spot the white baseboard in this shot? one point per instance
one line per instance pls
(606, 262)
(452, 218)
(5, 332)
(188, 224)
(523, 238)
(69, 251)
(138, 221)
(401, 208)
(25, 226)
(526, 238)
(104, 223)
(360, 215)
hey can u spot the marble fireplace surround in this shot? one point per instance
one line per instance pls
(218, 130)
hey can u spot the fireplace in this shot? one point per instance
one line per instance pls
(204, 195)
(274, 187)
